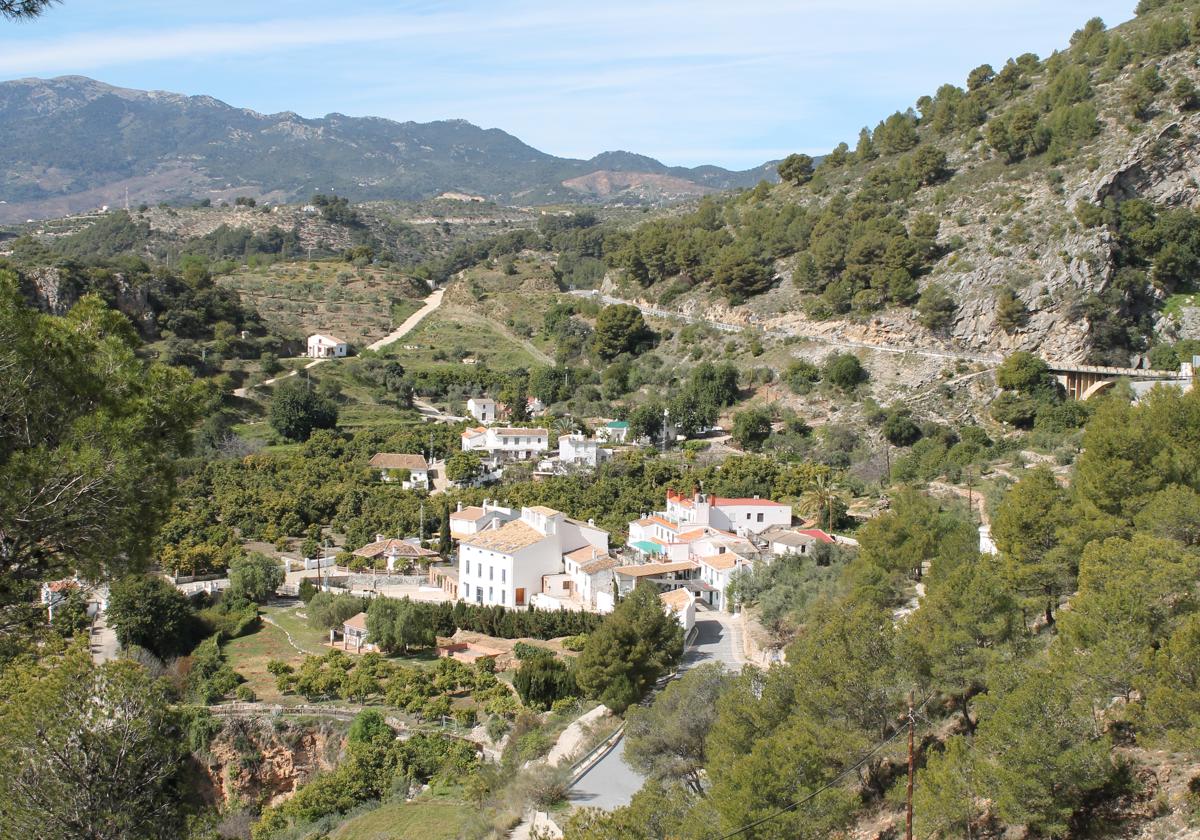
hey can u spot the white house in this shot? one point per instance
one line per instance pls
(615, 431)
(739, 515)
(717, 571)
(326, 347)
(682, 605)
(505, 565)
(579, 450)
(466, 522)
(511, 444)
(400, 554)
(56, 592)
(482, 409)
(590, 573)
(393, 464)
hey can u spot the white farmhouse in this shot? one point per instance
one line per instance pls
(578, 450)
(681, 604)
(482, 409)
(615, 431)
(322, 346)
(393, 465)
(506, 565)
(740, 515)
(466, 522)
(505, 444)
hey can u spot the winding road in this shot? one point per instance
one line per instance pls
(611, 782)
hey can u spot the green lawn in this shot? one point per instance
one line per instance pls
(306, 637)
(454, 329)
(249, 655)
(427, 818)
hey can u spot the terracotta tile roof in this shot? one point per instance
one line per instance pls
(356, 622)
(475, 432)
(593, 526)
(62, 585)
(653, 569)
(720, 562)
(468, 514)
(677, 599)
(545, 511)
(399, 547)
(326, 337)
(592, 560)
(817, 534)
(510, 537)
(397, 461)
(657, 520)
(527, 432)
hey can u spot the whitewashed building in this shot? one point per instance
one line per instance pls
(681, 604)
(321, 346)
(394, 466)
(468, 521)
(505, 565)
(482, 409)
(577, 450)
(505, 444)
(740, 515)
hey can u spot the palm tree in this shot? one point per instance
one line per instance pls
(825, 500)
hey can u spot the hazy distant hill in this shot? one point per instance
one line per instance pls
(72, 143)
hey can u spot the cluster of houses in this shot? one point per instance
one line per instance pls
(538, 556)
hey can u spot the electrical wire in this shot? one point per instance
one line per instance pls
(793, 805)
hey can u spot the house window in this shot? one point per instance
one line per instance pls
(747, 516)
(503, 573)
(491, 572)
(502, 597)
(760, 517)
(467, 591)
(490, 598)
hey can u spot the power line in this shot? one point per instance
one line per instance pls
(793, 805)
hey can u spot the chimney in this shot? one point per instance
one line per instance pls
(459, 508)
(756, 495)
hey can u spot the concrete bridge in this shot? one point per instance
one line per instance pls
(1085, 381)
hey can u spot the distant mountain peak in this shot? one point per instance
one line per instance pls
(72, 143)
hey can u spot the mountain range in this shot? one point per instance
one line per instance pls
(71, 144)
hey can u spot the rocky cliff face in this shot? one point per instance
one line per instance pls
(56, 291)
(260, 761)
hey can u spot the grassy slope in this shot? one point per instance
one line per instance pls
(431, 817)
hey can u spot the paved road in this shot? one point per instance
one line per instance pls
(103, 641)
(612, 782)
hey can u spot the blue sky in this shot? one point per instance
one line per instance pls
(731, 82)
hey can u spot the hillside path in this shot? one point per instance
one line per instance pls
(430, 304)
(647, 309)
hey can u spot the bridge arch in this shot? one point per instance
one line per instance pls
(1095, 388)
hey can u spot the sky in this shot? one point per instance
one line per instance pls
(729, 82)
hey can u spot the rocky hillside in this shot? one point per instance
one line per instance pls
(71, 144)
(1048, 205)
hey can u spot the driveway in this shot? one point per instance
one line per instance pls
(718, 639)
(611, 783)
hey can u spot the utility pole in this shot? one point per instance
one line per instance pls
(666, 415)
(908, 819)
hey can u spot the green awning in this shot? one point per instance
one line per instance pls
(648, 547)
